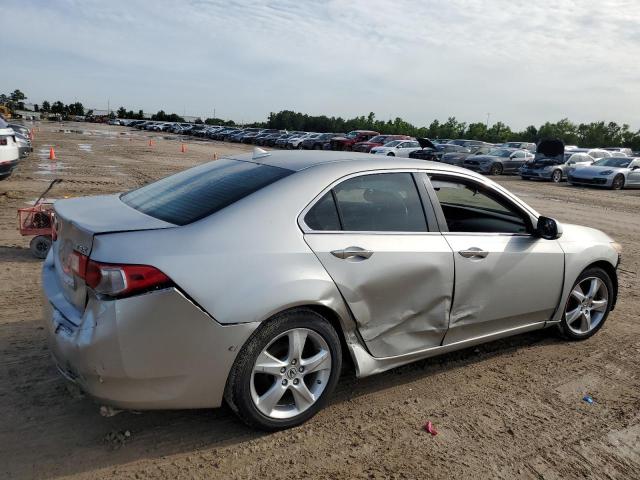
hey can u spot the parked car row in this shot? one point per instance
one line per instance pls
(15, 144)
(558, 163)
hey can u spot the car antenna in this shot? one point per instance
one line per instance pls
(259, 153)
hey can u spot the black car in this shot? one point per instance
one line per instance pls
(457, 158)
(428, 150)
(317, 143)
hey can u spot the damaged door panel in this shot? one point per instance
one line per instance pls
(399, 291)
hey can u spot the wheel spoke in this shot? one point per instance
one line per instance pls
(577, 293)
(268, 401)
(573, 315)
(297, 339)
(599, 305)
(267, 363)
(594, 286)
(320, 361)
(302, 396)
(585, 322)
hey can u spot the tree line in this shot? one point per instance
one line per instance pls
(594, 134)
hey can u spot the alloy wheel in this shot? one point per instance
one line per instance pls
(556, 177)
(587, 305)
(290, 373)
(618, 182)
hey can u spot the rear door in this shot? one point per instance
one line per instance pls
(371, 233)
(505, 277)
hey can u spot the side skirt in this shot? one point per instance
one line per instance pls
(367, 365)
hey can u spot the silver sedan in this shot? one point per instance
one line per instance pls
(246, 279)
(612, 172)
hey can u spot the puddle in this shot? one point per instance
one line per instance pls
(85, 147)
(50, 168)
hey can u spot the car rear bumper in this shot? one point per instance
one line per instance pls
(152, 351)
(8, 166)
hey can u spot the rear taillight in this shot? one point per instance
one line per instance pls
(3, 140)
(118, 280)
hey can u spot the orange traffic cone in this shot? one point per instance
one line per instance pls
(183, 149)
(52, 154)
(151, 143)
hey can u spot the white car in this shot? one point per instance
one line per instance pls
(397, 148)
(296, 142)
(9, 153)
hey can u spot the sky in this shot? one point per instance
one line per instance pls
(521, 62)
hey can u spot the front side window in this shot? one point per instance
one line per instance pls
(470, 208)
(386, 202)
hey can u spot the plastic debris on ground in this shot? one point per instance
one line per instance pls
(430, 427)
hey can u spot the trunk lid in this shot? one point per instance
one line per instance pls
(78, 220)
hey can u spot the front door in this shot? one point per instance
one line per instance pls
(371, 235)
(504, 276)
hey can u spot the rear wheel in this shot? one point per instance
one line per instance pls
(40, 246)
(618, 182)
(496, 169)
(286, 371)
(391, 154)
(588, 304)
(556, 176)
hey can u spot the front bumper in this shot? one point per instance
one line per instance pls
(594, 181)
(536, 173)
(481, 168)
(152, 351)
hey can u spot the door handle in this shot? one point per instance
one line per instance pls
(473, 252)
(351, 252)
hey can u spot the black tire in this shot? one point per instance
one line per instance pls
(238, 388)
(300, 147)
(496, 169)
(556, 176)
(618, 182)
(589, 272)
(40, 246)
(391, 154)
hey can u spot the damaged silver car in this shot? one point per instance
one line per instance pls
(247, 279)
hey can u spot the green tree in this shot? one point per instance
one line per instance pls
(46, 106)
(122, 112)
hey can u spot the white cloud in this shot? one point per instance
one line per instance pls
(525, 62)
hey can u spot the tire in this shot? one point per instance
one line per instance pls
(300, 147)
(574, 325)
(40, 246)
(496, 169)
(618, 182)
(556, 176)
(391, 154)
(245, 386)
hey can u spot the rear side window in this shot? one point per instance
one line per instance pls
(201, 191)
(323, 215)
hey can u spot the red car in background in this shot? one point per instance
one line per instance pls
(350, 139)
(377, 141)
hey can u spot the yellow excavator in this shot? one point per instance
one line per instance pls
(5, 112)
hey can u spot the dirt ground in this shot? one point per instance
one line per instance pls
(512, 408)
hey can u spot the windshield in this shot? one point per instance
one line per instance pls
(613, 162)
(499, 152)
(378, 139)
(392, 143)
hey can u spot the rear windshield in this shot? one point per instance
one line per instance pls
(201, 191)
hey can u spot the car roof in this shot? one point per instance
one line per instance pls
(297, 161)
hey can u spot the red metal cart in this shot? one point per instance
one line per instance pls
(37, 221)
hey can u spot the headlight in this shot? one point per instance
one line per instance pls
(606, 172)
(548, 168)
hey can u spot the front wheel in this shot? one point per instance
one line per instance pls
(618, 182)
(391, 154)
(286, 371)
(496, 169)
(556, 176)
(588, 305)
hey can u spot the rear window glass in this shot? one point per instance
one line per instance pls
(201, 191)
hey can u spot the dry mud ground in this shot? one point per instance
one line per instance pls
(508, 409)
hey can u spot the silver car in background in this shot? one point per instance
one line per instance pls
(611, 172)
(245, 279)
(552, 163)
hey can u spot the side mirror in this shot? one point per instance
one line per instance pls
(548, 228)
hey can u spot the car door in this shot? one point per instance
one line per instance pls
(505, 277)
(371, 233)
(633, 177)
(515, 161)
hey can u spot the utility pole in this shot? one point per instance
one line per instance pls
(108, 106)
